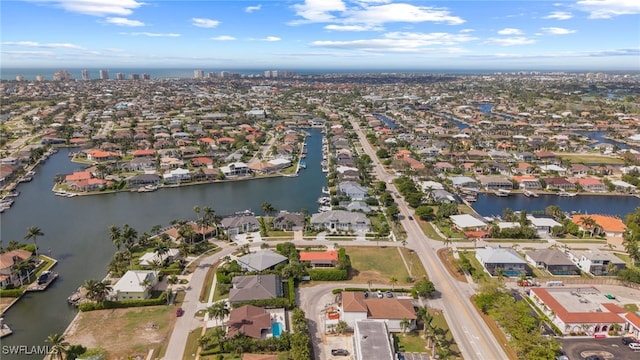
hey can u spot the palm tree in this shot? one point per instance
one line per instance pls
(97, 290)
(20, 268)
(404, 325)
(32, 234)
(268, 209)
(129, 237)
(116, 236)
(589, 223)
(393, 281)
(341, 327)
(59, 346)
(218, 310)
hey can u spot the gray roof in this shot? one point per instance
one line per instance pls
(373, 340)
(239, 220)
(261, 260)
(255, 287)
(499, 256)
(341, 216)
(549, 257)
(466, 221)
(462, 180)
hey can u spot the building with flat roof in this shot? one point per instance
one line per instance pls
(511, 263)
(371, 340)
(585, 310)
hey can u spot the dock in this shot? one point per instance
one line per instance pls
(38, 286)
(5, 330)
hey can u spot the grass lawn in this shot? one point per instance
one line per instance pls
(206, 287)
(410, 342)
(591, 159)
(630, 307)
(446, 257)
(440, 323)
(124, 332)
(497, 332)
(415, 265)
(378, 264)
(428, 231)
(191, 347)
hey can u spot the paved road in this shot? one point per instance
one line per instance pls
(469, 330)
(191, 305)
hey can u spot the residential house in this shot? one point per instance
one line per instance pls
(89, 184)
(528, 182)
(135, 285)
(149, 258)
(597, 263)
(340, 220)
(176, 176)
(543, 225)
(391, 311)
(508, 260)
(579, 170)
(288, 221)
(591, 184)
(235, 169)
(321, 259)
(261, 260)
(465, 182)
(7, 262)
(252, 321)
(495, 182)
(240, 224)
(144, 179)
(352, 190)
(608, 225)
(255, 287)
(466, 222)
(554, 261)
(559, 183)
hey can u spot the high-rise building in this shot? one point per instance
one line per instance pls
(267, 73)
(198, 74)
(146, 76)
(62, 75)
(119, 76)
(225, 74)
(86, 75)
(39, 77)
(104, 74)
(134, 76)
(212, 75)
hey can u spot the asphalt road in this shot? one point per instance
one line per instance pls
(472, 335)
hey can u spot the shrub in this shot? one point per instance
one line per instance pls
(161, 300)
(11, 293)
(328, 274)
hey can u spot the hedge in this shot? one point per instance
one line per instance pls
(292, 291)
(328, 275)
(274, 303)
(11, 293)
(90, 306)
(338, 291)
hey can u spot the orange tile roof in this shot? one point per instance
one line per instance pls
(607, 223)
(634, 319)
(76, 176)
(330, 255)
(575, 317)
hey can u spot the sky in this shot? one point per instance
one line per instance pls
(387, 35)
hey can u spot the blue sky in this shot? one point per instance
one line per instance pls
(322, 34)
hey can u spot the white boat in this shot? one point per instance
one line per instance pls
(325, 200)
(325, 190)
(502, 192)
(529, 193)
(566, 194)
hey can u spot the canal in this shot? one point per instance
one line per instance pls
(76, 229)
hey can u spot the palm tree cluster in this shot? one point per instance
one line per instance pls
(33, 232)
(97, 291)
(126, 237)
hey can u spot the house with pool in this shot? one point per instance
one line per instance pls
(256, 322)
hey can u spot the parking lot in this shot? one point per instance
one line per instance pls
(337, 342)
(578, 349)
(413, 356)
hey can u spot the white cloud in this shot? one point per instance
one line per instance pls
(376, 15)
(510, 31)
(510, 41)
(96, 7)
(557, 31)
(271, 38)
(40, 45)
(27, 52)
(251, 9)
(150, 34)
(223, 38)
(334, 27)
(205, 23)
(467, 30)
(403, 42)
(318, 10)
(120, 21)
(607, 9)
(559, 15)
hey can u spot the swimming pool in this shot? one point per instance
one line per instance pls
(276, 329)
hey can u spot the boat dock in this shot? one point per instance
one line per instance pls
(45, 279)
(5, 330)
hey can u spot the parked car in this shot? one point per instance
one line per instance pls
(339, 352)
(410, 217)
(379, 294)
(634, 346)
(388, 294)
(594, 357)
(628, 340)
(179, 312)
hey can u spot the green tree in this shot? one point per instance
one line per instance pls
(424, 288)
(33, 233)
(218, 310)
(58, 346)
(425, 212)
(97, 290)
(405, 324)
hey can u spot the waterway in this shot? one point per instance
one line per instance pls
(76, 229)
(392, 125)
(620, 206)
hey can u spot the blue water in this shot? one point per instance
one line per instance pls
(485, 108)
(386, 120)
(620, 206)
(276, 329)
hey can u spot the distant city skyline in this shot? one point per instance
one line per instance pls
(391, 35)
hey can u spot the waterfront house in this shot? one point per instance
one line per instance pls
(554, 261)
(144, 179)
(90, 184)
(320, 259)
(527, 182)
(464, 182)
(235, 169)
(139, 164)
(492, 259)
(590, 184)
(495, 182)
(252, 321)
(467, 222)
(135, 285)
(340, 220)
(352, 190)
(149, 258)
(7, 262)
(543, 225)
(623, 186)
(176, 176)
(255, 287)
(391, 311)
(261, 260)
(77, 176)
(240, 224)
(558, 183)
(288, 221)
(608, 225)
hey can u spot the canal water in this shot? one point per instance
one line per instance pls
(620, 206)
(76, 229)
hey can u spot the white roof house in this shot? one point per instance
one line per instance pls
(543, 223)
(148, 258)
(466, 221)
(135, 284)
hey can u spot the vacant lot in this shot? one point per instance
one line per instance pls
(123, 332)
(377, 264)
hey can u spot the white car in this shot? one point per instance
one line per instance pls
(634, 346)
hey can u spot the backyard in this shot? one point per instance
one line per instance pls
(377, 264)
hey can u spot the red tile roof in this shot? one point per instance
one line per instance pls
(330, 255)
(575, 317)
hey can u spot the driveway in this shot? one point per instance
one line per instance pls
(612, 348)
